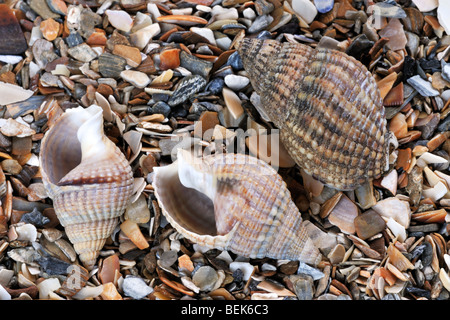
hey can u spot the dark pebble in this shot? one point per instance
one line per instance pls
(52, 265)
(360, 46)
(74, 39)
(444, 125)
(195, 65)
(161, 107)
(238, 275)
(264, 35)
(211, 106)
(429, 128)
(427, 255)
(110, 65)
(432, 65)
(417, 251)
(176, 37)
(160, 97)
(235, 61)
(215, 86)
(79, 90)
(179, 112)
(409, 67)
(231, 287)
(291, 27)
(419, 292)
(35, 217)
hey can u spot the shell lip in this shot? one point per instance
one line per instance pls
(187, 208)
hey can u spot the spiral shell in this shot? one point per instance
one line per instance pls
(87, 177)
(233, 202)
(327, 106)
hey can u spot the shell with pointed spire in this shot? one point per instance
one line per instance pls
(327, 106)
(88, 178)
(233, 202)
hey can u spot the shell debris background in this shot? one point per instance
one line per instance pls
(170, 74)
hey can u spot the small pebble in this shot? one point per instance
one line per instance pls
(260, 23)
(136, 78)
(305, 9)
(235, 82)
(205, 278)
(168, 258)
(135, 287)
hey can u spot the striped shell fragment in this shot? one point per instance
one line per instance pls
(327, 107)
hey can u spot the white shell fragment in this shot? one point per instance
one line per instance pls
(305, 9)
(394, 208)
(120, 19)
(10, 93)
(443, 14)
(427, 5)
(136, 78)
(4, 295)
(13, 128)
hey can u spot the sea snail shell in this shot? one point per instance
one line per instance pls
(233, 202)
(87, 177)
(327, 106)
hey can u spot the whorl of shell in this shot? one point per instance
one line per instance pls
(87, 177)
(327, 106)
(233, 202)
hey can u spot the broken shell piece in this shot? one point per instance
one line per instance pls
(233, 202)
(14, 128)
(394, 208)
(435, 216)
(120, 20)
(429, 158)
(445, 279)
(390, 182)
(10, 93)
(435, 193)
(344, 214)
(398, 259)
(397, 229)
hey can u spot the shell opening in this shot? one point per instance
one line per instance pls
(66, 144)
(185, 196)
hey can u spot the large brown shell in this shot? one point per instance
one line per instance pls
(327, 106)
(233, 202)
(88, 178)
